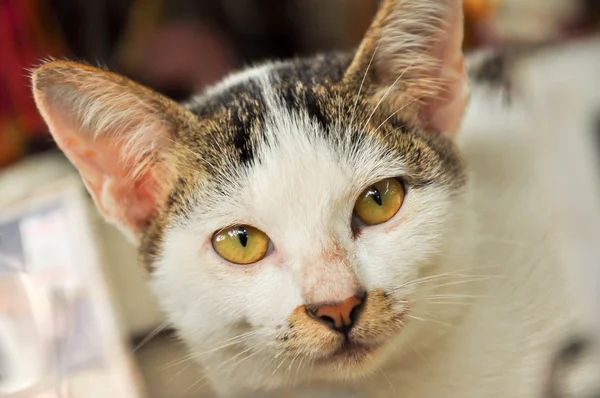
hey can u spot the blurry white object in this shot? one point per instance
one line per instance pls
(562, 90)
(138, 308)
(23, 311)
(533, 20)
(60, 334)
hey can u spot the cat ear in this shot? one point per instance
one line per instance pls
(413, 49)
(117, 133)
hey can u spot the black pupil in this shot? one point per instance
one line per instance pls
(242, 235)
(375, 195)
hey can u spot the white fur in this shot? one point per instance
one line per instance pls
(497, 345)
(504, 345)
(507, 306)
(487, 327)
(215, 301)
(232, 80)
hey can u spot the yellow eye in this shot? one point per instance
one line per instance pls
(241, 244)
(379, 202)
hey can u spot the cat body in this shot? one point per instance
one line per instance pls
(494, 327)
(334, 222)
(505, 343)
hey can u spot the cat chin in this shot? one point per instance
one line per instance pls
(354, 361)
(357, 362)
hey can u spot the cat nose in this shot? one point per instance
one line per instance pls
(341, 316)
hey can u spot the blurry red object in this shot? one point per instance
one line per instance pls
(26, 36)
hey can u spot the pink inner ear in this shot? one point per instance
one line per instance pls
(129, 201)
(443, 113)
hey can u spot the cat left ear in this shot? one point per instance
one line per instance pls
(413, 55)
(117, 133)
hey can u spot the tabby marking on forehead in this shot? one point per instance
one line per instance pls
(231, 116)
(251, 110)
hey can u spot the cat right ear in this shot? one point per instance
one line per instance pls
(117, 133)
(412, 53)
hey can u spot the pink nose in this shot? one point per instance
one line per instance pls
(340, 317)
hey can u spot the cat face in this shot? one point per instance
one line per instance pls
(300, 180)
(292, 213)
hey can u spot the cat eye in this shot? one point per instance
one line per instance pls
(241, 244)
(379, 202)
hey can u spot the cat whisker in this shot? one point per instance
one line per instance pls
(413, 101)
(420, 281)
(395, 112)
(446, 275)
(275, 357)
(466, 296)
(298, 372)
(310, 370)
(410, 66)
(389, 382)
(184, 359)
(270, 361)
(229, 342)
(200, 387)
(450, 303)
(459, 272)
(479, 279)
(237, 356)
(430, 320)
(411, 345)
(361, 85)
(507, 242)
(447, 300)
(194, 384)
(278, 366)
(291, 364)
(241, 335)
(247, 357)
(150, 336)
(179, 372)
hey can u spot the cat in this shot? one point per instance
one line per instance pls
(361, 220)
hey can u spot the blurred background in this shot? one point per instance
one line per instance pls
(180, 46)
(60, 265)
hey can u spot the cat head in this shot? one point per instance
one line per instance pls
(298, 209)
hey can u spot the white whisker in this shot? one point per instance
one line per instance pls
(236, 356)
(445, 276)
(468, 296)
(278, 366)
(361, 85)
(298, 371)
(289, 369)
(389, 382)
(392, 86)
(195, 384)
(246, 358)
(227, 343)
(178, 373)
(184, 359)
(150, 336)
(430, 320)
(473, 280)
(398, 110)
(449, 303)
